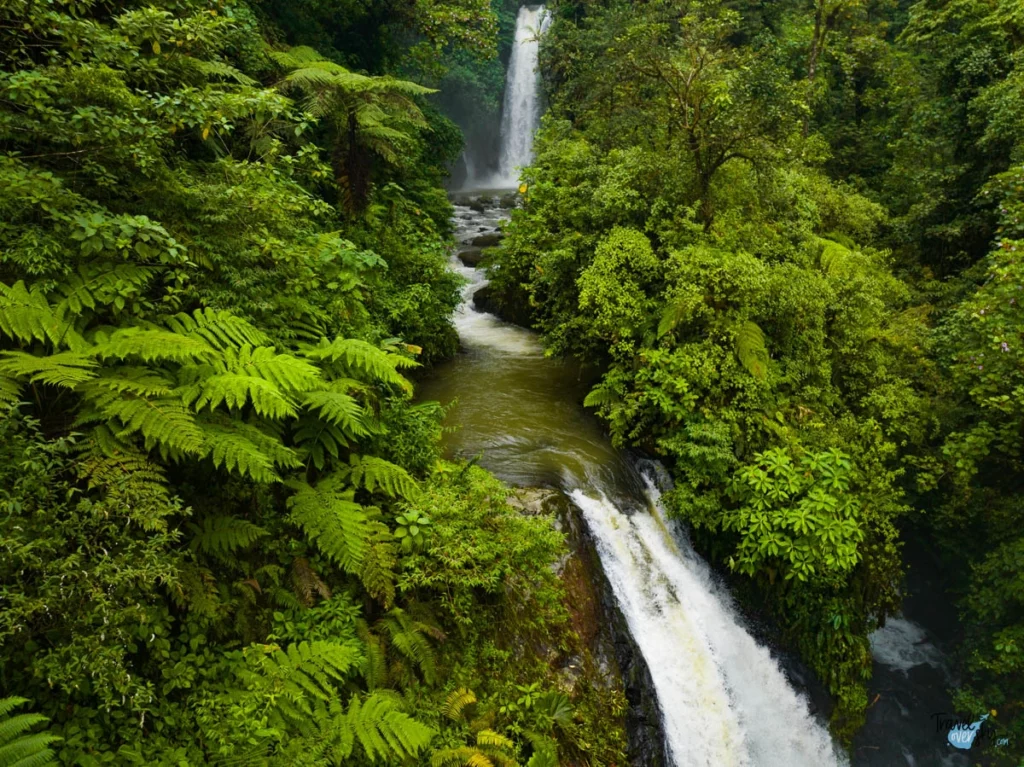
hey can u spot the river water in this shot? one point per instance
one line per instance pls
(724, 700)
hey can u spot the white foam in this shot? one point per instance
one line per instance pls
(725, 701)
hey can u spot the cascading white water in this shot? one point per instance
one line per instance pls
(520, 114)
(724, 700)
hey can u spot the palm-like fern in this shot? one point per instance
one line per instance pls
(19, 745)
(375, 115)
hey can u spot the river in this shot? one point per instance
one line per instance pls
(724, 700)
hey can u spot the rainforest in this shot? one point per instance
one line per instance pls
(469, 383)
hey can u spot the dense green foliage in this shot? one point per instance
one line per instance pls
(788, 232)
(226, 534)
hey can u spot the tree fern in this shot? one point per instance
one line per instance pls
(328, 515)
(288, 373)
(19, 746)
(373, 473)
(113, 381)
(163, 423)
(10, 389)
(320, 440)
(751, 350)
(235, 390)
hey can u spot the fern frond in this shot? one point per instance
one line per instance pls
(112, 382)
(243, 448)
(64, 369)
(26, 315)
(328, 515)
(19, 747)
(151, 345)
(836, 260)
(456, 702)
(10, 390)
(360, 359)
(383, 730)
(672, 316)
(751, 350)
(340, 409)
(601, 395)
(408, 638)
(378, 571)
(492, 739)
(463, 756)
(220, 329)
(320, 440)
(130, 480)
(163, 422)
(218, 69)
(288, 373)
(308, 671)
(235, 390)
(373, 473)
(223, 534)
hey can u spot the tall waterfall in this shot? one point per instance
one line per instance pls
(520, 114)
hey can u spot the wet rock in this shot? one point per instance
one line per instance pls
(478, 206)
(537, 500)
(507, 201)
(487, 240)
(604, 625)
(471, 256)
(486, 299)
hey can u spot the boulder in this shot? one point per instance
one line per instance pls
(487, 240)
(487, 300)
(509, 200)
(471, 256)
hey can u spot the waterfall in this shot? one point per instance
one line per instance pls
(725, 702)
(520, 114)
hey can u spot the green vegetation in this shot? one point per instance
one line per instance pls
(227, 535)
(788, 232)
